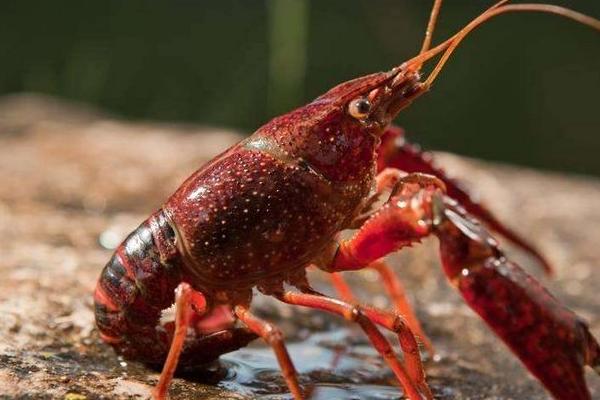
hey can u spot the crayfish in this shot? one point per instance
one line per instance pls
(262, 212)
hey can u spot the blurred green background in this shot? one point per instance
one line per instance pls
(522, 89)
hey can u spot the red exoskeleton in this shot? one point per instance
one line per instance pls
(263, 211)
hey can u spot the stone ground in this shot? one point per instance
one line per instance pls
(74, 181)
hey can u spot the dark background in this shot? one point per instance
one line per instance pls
(522, 89)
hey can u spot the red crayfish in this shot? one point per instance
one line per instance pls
(259, 214)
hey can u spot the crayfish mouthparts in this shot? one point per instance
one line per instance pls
(405, 87)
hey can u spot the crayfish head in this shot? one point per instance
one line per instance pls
(375, 100)
(338, 133)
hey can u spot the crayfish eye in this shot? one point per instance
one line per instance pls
(359, 108)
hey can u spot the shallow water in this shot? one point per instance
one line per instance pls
(332, 365)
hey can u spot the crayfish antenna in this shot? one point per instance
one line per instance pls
(447, 48)
(435, 11)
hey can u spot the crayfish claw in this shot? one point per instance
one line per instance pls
(397, 152)
(552, 342)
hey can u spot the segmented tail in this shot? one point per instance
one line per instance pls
(135, 286)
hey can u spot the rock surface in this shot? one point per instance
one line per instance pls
(74, 182)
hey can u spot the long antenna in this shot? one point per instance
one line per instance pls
(426, 53)
(435, 11)
(451, 44)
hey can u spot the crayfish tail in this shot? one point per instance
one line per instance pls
(552, 342)
(137, 284)
(133, 289)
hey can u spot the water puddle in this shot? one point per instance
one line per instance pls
(332, 365)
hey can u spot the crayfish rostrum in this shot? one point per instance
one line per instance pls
(263, 211)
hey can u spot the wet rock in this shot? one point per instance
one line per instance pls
(74, 182)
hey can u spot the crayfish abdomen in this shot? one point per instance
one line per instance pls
(136, 286)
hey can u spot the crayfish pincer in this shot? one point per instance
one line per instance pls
(261, 213)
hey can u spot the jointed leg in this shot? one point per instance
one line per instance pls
(412, 381)
(396, 323)
(183, 297)
(391, 321)
(395, 290)
(273, 336)
(342, 288)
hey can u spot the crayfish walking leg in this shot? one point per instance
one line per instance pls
(183, 298)
(395, 290)
(549, 339)
(412, 378)
(273, 336)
